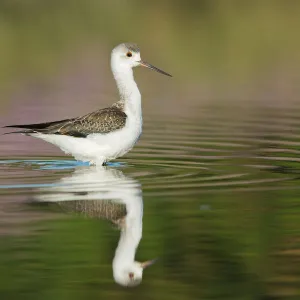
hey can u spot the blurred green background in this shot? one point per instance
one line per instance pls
(221, 52)
(207, 40)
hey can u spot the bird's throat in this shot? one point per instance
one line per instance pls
(128, 90)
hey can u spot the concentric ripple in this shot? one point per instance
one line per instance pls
(216, 151)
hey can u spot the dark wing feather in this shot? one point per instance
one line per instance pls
(102, 121)
(40, 127)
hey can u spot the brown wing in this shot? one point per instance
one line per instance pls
(102, 121)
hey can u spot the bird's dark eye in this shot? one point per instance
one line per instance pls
(129, 54)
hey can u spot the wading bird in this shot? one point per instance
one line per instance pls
(107, 133)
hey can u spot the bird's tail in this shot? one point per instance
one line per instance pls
(26, 131)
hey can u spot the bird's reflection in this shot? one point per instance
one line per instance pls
(108, 194)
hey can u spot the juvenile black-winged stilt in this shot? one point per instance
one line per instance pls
(107, 133)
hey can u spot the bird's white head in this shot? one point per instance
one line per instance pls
(132, 274)
(126, 56)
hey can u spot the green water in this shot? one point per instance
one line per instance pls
(216, 168)
(221, 213)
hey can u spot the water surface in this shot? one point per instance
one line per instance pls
(220, 195)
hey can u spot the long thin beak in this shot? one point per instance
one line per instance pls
(148, 263)
(145, 64)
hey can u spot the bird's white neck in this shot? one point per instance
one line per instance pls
(128, 89)
(131, 233)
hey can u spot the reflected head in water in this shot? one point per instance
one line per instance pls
(132, 274)
(102, 193)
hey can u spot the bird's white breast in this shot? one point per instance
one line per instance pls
(119, 142)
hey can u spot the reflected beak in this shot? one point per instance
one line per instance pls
(145, 64)
(148, 263)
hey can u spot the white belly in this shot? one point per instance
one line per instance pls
(98, 148)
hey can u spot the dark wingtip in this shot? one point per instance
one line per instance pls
(15, 126)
